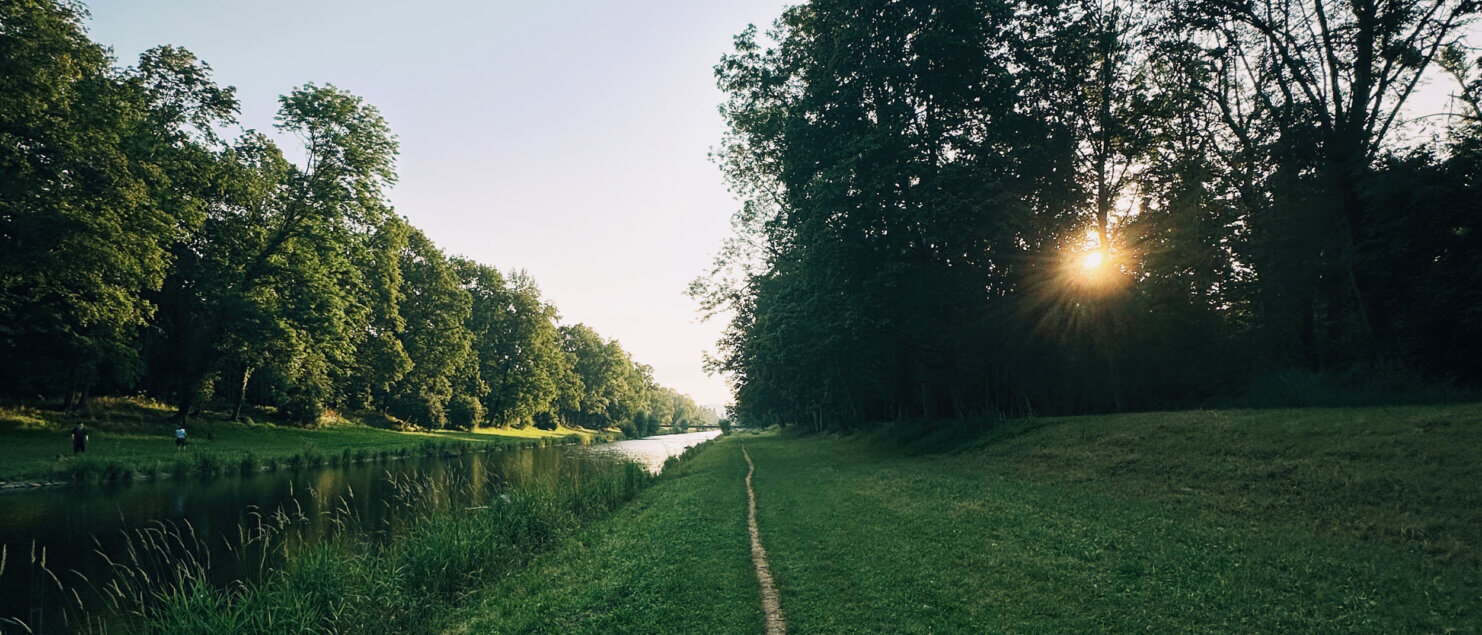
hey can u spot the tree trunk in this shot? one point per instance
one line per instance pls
(242, 392)
(190, 387)
(1307, 332)
(1115, 381)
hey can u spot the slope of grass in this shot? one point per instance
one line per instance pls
(128, 436)
(675, 560)
(1334, 520)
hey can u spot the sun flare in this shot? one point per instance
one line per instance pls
(1091, 261)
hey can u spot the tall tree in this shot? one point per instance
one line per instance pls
(275, 257)
(100, 171)
(517, 344)
(1325, 82)
(435, 310)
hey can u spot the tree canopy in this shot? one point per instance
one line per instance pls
(144, 249)
(1008, 207)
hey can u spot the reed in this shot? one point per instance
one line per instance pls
(450, 534)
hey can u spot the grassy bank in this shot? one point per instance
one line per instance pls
(676, 559)
(130, 437)
(405, 578)
(1334, 520)
(1272, 521)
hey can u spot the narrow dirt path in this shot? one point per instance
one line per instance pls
(771, 602)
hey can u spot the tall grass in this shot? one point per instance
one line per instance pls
(405, 577)
(87, 470)
(449, 535)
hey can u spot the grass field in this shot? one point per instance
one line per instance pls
(1301, 520)
(129, 436)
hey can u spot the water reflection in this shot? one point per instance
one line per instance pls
(651, 452)
(70, 524)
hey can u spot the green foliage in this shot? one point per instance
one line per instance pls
(922, 185)
(140, 251)
(100, 171)
(612, 387)
(517, 345)
(437, 341)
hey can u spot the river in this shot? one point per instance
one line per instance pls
(72, 529)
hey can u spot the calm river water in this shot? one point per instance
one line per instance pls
(73, 528)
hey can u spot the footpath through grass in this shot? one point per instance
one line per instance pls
(1361, 520)
(675, 560)
(129, 437)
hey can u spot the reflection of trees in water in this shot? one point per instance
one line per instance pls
(237, 529)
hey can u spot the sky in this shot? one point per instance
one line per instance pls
(565, 138)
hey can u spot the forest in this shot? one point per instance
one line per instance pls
(987, 208)
(150, 246)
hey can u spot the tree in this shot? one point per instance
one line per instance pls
(436, 310)
(612, 386)
(272, 265)
(1324, 83)
(99, 172)
(517, 344)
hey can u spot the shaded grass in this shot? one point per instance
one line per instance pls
(676, 560)
(1332, 520)
(134, 437)
(1405, 475)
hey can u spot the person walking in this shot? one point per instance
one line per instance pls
(79, 439)
(180, 437)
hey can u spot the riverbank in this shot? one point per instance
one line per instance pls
(1279, 520)
(132, 439)
(675, 560)
(404, 577)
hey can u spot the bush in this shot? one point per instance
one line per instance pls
(546, 420)
(248, 464)
(302, 410)
(465, 412)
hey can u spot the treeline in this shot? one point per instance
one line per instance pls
(141, 251)
(1007, 207)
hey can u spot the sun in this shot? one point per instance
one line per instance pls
(1091, 261)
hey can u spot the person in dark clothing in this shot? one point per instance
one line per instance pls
(79, 439)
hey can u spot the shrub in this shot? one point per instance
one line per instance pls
(546, 420)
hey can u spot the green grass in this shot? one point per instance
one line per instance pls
(1334, 520)
(405, 578)
(1329, 520)
(676, 559)
(129, 436)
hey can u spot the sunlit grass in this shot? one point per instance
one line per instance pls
(133, 437)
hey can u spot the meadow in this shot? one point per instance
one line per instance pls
(1363, 519)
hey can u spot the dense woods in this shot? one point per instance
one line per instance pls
(143, 249)
(1011, 207)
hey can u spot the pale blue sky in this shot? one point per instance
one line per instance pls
(565, 138)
